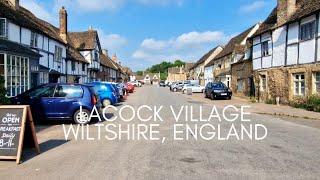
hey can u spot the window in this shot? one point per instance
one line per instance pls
(96, 55)
(73, 66)
(83, 67)
(265, 48)
(263, 82)
(44, 77)
(317, 82)
(68, 92)
(307, 31)
(3, 27)
(17, 75)
(40, 92)
(58, 54)
(34, 40)
(1, 64)
(299, 84)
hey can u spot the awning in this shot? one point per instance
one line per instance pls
(17, 49)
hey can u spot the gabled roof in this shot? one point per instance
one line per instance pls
(303, 9)
(106, 61)
(204, 57)
(85, 40)
(74, 54)
(25, 18)
(233, 44)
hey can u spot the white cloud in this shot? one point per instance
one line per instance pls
(256, 5)
(187, 46)
(112, 42)
(38, 10)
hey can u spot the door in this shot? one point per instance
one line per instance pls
(40, 100)
(34, 80)
(67, 98)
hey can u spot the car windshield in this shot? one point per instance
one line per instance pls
(219, 86)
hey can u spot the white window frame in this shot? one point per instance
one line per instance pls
(299, 81)
(5, 28)
(34, 39)
(265, 49)
(315, 82)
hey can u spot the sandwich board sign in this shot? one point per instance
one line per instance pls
(16, 130)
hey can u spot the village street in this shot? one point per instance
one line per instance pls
(290, 150)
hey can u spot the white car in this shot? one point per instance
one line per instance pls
(195, 88)
(136, 83)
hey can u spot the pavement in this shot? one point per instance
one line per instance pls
(262, 108)
(290, 150)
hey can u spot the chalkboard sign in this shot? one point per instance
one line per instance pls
(15, 122)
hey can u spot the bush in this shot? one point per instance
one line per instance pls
(3, 92)
(270, 101)
(311, 103)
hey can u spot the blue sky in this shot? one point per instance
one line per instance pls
(146, 32)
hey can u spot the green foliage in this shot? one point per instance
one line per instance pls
(163, 68)
(139, 73)
(311, 103)
(270, 101)
(253, 99)
(3, 92)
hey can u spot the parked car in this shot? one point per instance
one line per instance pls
(215, 90)
(177, 87)
(116, 89)
(162, 84)
(136, 83)
(195, 88)
(130, 87)
(106, 92)
(60, 102)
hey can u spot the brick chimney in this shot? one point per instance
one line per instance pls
(15, 3)
(285, 9)
(63, 19)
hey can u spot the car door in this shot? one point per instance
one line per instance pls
(39, 100)
(66, 99)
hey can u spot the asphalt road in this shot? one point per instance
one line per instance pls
(290, 150)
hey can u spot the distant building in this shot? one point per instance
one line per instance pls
(179, 73)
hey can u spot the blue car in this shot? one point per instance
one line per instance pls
(116, 89)
(106, 92)
(60, 102)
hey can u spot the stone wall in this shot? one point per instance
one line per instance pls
(280, 82)
(241, 71)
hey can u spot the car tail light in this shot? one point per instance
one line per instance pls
(94, 100)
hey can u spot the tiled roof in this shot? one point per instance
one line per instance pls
(303, 9)
(203, 58)
(106, 61)
(74, 54)
(233, 44)
(25, 18)
(83, 40)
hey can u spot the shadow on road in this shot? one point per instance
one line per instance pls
(44, 147)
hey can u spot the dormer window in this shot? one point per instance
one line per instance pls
(3, 27)
(34, 40)
(308, 31)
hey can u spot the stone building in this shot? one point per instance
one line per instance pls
(233, 52)
(199, 66)
(286, 51)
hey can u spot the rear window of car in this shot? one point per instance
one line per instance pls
(218, 85)
(39, 92)
(65, 91)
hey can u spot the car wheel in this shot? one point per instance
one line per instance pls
(229, 98)
(106, 102)
(212, 96)
(205, 95)
(85, 117)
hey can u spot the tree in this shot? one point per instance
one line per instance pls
(3, 92)
(139, 73)
(163, 68)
